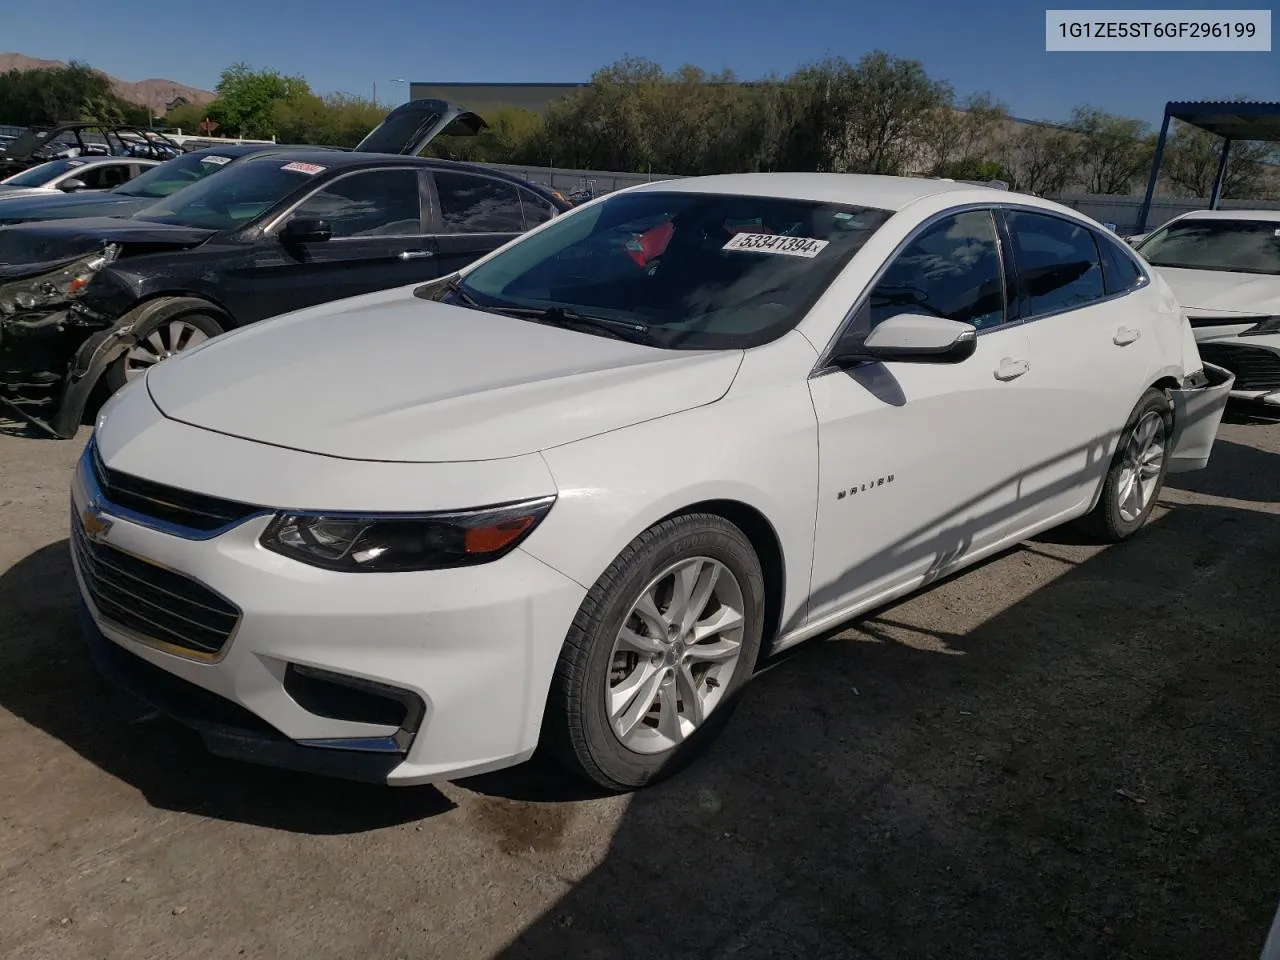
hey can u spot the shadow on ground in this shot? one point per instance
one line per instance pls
(1089, 774)
(46, 679)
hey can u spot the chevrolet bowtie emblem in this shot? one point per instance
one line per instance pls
(95, 523)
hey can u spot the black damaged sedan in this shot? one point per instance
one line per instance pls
(84, 302)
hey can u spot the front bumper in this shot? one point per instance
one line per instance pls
(474, 647)
(1197, 413)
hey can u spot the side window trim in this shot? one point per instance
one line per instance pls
(280, 219)
(530, 199)
(862, 303)
(1121, 251)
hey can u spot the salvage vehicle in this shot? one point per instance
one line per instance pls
(1224, 267)
(568, 495)
(123, 201)
(406, 130)
(57, 178)
(100, 300)
(63, 141)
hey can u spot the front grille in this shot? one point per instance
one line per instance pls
(150, 601)
(195, 511)
(1255, 368)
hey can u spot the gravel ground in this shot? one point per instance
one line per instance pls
(1064, 752)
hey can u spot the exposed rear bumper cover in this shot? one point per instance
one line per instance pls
(227, 729)
(1197, 413)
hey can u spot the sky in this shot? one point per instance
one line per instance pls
(340, 45)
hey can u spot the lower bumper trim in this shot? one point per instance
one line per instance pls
(227, 729)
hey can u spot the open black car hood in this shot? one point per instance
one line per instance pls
(27, 245)
(411, 126)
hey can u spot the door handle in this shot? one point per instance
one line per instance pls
(416, 254)
(1125, 336)
(1011, 369)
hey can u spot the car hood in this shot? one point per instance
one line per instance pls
(411, 126)
(54, 240)
(1210, 292)
(48, 205)
(391, 377)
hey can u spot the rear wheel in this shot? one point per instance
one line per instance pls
(659, 649)
(166, 329)
(1137, 471)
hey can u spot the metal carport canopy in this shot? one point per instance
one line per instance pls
(1228, 119)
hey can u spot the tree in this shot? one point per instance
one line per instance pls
(886, 116)
(54, 94)
(247, 99)
(1191, 164)
(1112, 150)
(961, 142)
(1040, 159)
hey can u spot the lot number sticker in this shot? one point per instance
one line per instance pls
(806, 247)
(216, 161)
(303, 167)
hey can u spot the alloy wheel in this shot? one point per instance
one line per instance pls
(675, 655)
(1141, 465)
(161, 343)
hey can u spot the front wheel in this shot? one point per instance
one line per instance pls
(167, 329)
(659, 649)
(1137, 470)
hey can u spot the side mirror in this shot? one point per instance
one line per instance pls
(306, 230)
(913, 338)
(71, 185)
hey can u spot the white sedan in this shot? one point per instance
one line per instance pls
(573, 494)
(1224, 267)
(73, 175)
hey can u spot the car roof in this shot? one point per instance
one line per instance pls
(238, 149)
(355, 160)
(94, 160)
(1269, 216)
(861, 189)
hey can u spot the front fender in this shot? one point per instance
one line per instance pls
(759, 449)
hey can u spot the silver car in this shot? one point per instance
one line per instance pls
(73, 175)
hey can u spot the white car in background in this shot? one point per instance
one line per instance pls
(571, 494)
(1224, 267)
(74, 175)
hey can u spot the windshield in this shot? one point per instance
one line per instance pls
(1235, 246)
(245, 191)
(172, 175)
(39, 176)
(697, 271)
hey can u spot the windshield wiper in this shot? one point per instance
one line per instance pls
(631, 330)
(454, 286)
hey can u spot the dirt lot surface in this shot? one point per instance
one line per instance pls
(1065, 752)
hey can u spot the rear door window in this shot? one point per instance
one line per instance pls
(470, 203)
(1058, 263)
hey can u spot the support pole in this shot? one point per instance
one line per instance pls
(1145, 209)
(1216, 196)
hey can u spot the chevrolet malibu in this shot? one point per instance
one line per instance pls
(571, 494)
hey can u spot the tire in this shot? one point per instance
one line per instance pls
(1118, 514)
(166, 327)
(596, 663)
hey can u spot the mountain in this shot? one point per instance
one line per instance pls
(152, 93)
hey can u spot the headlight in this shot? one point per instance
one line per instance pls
(57, 286)
(396, 543)
(1262, 328)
